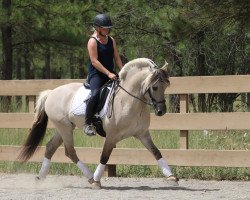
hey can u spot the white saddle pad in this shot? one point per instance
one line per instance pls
(78, 105)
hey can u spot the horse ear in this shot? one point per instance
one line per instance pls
(166, 68)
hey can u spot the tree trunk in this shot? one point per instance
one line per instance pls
(18, 66)
(6, 30)
(248, 102)
(201, 68)
(193, 102)
(81, 72)
(177, 62)
(47, 70)
(71, 65)
(18, 76)
(27, 64)
(7, 54)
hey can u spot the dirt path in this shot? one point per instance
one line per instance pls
(24, 187)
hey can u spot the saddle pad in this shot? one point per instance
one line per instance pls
(78, 105)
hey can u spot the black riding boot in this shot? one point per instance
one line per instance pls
(89, 129)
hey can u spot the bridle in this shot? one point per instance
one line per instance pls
(116, 84)
(153, 100)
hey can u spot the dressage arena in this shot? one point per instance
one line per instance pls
(25, 187)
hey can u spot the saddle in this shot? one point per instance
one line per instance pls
(79, 103)
(102, 95)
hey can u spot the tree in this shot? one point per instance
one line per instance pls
(224, 46)
(6, 29)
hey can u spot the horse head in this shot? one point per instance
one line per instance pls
(144, 74)
(154, 86)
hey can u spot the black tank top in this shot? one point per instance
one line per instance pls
(105, 56)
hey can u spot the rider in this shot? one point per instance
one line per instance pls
(103, 52)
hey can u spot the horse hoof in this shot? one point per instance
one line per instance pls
(38, 178)
(172, 181)
(95, 184)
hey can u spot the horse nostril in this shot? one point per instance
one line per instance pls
(159, 113)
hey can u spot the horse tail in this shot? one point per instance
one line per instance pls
(38, 129)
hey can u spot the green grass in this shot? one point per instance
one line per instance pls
(227, 140)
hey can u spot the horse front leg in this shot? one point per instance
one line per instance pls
(106, 152)
(147, 141)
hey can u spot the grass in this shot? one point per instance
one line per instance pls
(227, 140)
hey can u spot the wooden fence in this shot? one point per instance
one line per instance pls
(183, 121)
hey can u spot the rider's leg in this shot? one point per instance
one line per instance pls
(89, 129)
(95, 82)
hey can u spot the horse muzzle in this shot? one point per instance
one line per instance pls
(160, 108)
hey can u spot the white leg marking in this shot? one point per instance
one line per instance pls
(85, 170)
(164, 167)
(44, 169)
(98, 172)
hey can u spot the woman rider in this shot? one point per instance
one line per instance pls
(103, 52)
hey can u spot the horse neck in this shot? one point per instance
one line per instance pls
(133, 81)
(133, 85)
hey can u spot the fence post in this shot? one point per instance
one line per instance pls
(183, 133)
(110, 171)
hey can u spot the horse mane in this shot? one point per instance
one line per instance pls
(138, 63)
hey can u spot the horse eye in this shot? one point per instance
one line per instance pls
(154, 88)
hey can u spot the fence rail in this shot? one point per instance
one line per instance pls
(183, 121)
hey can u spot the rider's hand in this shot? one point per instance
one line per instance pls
(112, 76)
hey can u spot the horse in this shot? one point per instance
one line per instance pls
(141, 83)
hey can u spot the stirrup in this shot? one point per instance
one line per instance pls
(90, 130)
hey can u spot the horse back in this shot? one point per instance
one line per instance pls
(59, 100)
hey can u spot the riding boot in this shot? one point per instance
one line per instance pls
(89, 128)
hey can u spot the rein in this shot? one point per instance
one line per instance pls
(136, 96)
(154, 102)
(111, 103)
(116, 84)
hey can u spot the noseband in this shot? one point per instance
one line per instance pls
(154, 102)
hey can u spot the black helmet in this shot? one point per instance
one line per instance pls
(102, 20)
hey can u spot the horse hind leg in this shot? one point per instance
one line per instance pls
(51, 148)
(66, 133)
(147, 141)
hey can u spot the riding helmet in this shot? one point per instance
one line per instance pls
(102, 20)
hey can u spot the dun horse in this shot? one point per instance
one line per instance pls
(141, 83)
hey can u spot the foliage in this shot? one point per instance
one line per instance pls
(197, 38)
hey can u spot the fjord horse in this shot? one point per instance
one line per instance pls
(141, 83)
